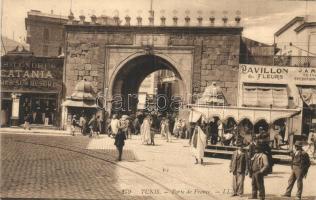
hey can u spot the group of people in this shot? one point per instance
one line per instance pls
(256, 161)
(92, 127)
(257, 166)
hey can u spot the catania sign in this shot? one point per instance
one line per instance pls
(276, 74)
(26, 74)
(31, 74)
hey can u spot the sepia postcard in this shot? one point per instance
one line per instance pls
(158, 99)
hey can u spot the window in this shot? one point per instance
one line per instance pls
(46, 34)
(45, 50)
(264, 95)
(28, 31)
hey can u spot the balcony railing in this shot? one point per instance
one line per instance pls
(290, 61)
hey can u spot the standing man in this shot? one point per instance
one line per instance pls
(239, 168)
(145, 130)
(198, 144)
(300, 166)
(82, 124)
(120, 138)
(73, 125)
(27, 121)
(263, 139)
(93, 125)
(258, 169)
(99, 125)
(214, 131)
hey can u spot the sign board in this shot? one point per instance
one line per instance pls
(151, 39)
(277, 74)
(31, 74)
(15, 108)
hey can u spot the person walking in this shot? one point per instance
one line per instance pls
(276, 137)
(124, 123)
(83, 124)
(93, 125)
(300, 166)
(258, 169)
(99, 125)
(136, 125)
(145, 130)
(119, 142)
(168, 133)
(152, 135)
(73, 124)
(239, 168)
(198, 144)
(312, 142)
(214, 131)
(114, 125)
(27, 121)
(163, 131)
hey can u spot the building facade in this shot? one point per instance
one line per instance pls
(45, 33)
(30, 85)
(280, 88)
(296, 40)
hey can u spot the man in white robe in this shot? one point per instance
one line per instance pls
(115, 124)
(198, 144)
(145, 131)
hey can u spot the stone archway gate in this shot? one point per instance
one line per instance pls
(200, 54)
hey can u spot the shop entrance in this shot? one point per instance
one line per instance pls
(42, 108)
(308, 119)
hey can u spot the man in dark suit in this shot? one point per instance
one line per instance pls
(120, 138)
(300, 166)
(258, 169)
(239, 168)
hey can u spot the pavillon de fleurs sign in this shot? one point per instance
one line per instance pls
(32, 73)
(277, 75)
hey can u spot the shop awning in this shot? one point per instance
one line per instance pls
(79, 104)
(308, 95)
(254, 114)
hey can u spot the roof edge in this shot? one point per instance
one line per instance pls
(288, 25)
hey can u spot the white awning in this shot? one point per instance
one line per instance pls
(254, 114)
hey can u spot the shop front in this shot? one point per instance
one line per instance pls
(30, 86)
(281, 88)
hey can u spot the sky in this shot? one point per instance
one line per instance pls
(260, 18)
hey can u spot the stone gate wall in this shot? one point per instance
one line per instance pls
(215, 54)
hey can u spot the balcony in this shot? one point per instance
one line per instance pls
(290, 61)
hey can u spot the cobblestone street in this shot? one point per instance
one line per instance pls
(43, 166)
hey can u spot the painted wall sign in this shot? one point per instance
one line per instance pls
(31, 74)
(277, 74)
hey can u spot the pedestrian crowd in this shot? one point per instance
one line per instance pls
(253, 158)
(256, 162)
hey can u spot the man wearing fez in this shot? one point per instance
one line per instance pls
(239, 168)
(300, 166)
(258, 169)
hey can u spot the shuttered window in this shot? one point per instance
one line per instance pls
(264, 95)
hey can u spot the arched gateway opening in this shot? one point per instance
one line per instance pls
(126, 81)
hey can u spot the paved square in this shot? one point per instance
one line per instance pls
(66, 167)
